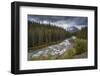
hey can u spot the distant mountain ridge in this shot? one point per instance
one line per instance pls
(62, 24)
(72, 29)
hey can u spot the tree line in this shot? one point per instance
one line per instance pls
(82, 34)
(46, 34)
(40, 34)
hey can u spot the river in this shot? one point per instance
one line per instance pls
(57, 49)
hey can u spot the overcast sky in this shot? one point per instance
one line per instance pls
(62, 21)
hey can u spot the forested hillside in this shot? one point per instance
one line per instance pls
(41, 35)
(57, 37)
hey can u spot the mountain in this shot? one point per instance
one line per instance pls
(72, 29)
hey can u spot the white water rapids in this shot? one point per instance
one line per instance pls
(57, 49)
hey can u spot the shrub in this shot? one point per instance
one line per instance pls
(40, 58)
(82, 34)
(80, 45)
(69, 54)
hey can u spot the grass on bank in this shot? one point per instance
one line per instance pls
(80, 46)
(35, 47)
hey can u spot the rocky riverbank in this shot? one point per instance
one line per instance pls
(52, 50)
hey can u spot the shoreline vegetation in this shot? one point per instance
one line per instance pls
(44, 35)
(79, 47)
(35, 47)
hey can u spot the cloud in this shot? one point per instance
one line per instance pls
(61, 21)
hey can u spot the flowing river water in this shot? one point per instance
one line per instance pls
(57, 49)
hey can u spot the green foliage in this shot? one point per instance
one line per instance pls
(47, 57)
(82, 34)
(40, 58)
(41, 34)
(35, 47)
(80, 46)
(69, 54)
